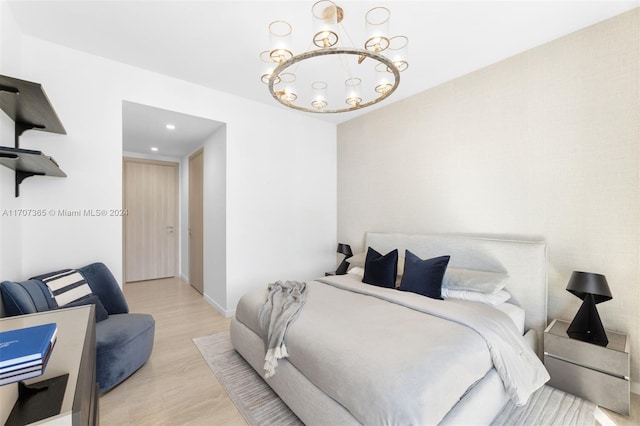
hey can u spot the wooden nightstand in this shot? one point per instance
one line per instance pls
(599, 374)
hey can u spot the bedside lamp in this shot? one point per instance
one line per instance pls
(592, 289)
(346, 250)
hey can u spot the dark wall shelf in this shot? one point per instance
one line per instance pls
(26, 160)
(28, 106)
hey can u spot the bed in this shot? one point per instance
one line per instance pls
(360, 354)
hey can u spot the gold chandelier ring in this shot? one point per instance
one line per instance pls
(361, 53)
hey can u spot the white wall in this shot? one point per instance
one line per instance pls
(10, 226)
(215, 220)
(543, 145)
(280, 171)
(151, 156)
(288, 216)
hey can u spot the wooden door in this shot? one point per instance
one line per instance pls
(151, 203)
(196, 206)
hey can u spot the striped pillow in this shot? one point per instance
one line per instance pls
(66, 286)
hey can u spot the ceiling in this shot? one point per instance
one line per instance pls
(217, 43)
(144, 127)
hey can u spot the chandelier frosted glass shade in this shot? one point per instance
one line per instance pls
(377, 20)
(332, 77)
(399, 51)
(319, 94)
(280, 41)
(326, 16)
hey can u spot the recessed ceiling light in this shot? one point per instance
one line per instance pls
(153, 148)
(170, 126)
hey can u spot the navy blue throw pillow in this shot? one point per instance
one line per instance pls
(381, 270)
(424, 276)
(101, 312)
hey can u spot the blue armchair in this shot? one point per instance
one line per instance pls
(123, 341)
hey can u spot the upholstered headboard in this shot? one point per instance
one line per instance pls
(524, 261)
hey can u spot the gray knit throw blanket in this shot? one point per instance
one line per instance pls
(283, 304)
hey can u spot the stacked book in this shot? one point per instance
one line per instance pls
(24, 352)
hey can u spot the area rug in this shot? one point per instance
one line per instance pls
(256, 401)
(260, 405)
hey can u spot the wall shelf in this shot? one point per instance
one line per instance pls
(28, 106)
(28, 162)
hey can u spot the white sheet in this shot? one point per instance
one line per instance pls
(514, 312)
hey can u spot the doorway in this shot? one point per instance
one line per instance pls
(152, 133)
(150, 225)
(196, 214)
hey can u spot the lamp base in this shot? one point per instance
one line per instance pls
(586, 325)
(342, 268)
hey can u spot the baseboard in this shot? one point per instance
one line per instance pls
(224, 312)
(184, 278)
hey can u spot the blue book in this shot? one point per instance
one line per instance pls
(26, 344)
(21, 371)
(37, 362)
(21, 377)
(26, 370)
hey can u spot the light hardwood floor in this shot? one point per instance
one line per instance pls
(175, 387)
(612, 418)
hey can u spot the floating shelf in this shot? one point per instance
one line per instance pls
(28, 106)
(28, 161)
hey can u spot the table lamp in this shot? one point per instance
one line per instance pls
(346, 250)
(592, 289)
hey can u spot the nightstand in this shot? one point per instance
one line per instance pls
(597, 373)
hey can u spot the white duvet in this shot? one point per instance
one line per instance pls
(392, 357)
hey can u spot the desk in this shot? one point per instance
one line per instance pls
(74, 354)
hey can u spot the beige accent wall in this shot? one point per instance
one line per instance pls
(543, 145)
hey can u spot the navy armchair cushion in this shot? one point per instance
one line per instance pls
(123, 345)
(104, 285)
(26, 297)
(101, 312)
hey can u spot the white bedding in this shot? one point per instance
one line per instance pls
(415, 356)
(516, 313)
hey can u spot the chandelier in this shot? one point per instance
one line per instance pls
(330, 76)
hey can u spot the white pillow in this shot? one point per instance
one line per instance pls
(496, 298)
(357, 270)
(478, 281)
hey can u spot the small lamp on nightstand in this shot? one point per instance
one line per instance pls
(592, 289)
(346, 250)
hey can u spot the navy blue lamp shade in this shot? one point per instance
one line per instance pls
(592, 289)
